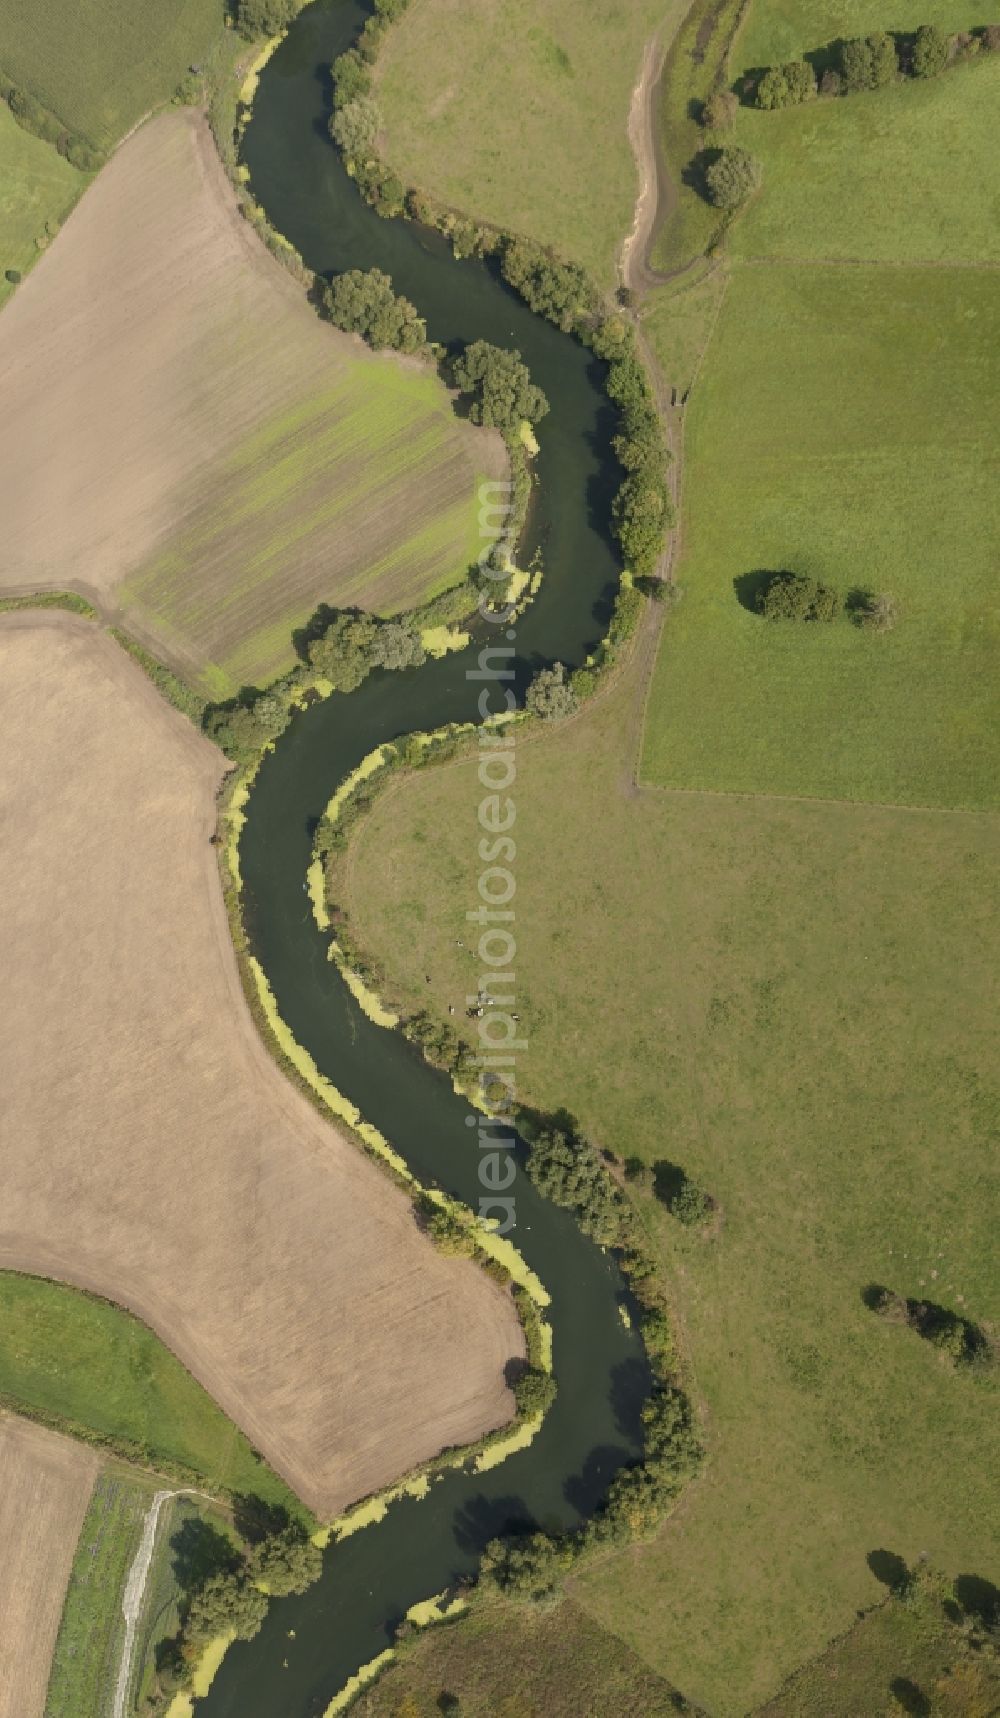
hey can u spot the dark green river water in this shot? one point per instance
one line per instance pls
(373, 1577)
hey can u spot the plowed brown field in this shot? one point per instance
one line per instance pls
(153, 1152)
(45, 1486)
(186, 443)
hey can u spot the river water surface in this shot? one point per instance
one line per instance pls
(373, 1577)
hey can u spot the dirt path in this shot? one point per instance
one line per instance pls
(135, 1590)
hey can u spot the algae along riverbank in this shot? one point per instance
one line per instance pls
(310, 1647)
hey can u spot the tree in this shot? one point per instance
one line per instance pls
(930, 52)
(397, 645)
(856, 65)
(787, 85)
(351, 76)
(550, 695)
(691, 1205)
(991, 38)
(720, 110)
(226, 1604)
(241, 729)
(534, 1391)
(286, 1562)
(503, 394)
(792, 596)
(343, 653)
(772, 91)
(567, 1169)
(732, 176)
(363, 302)
(884, 60)
(528, 1568)
(642, 512)
(831, 83)
(355, 126)
(264, 17)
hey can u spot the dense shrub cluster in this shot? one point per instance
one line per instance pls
(874, 62)
(503, 394)
(264, 17)
(354, 126)
(232, 1599)
(362, 301)
(32, 116)
(559, 291)
(570, 1172)
(353, 643)
(639, 1497)
(642, 511)
(962, 1341)
(243, 725)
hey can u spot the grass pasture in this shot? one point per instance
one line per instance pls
(101, 65)
(845, 426)
(554, 162)
(783, 29)
(793, 1001)
(894, 174)
(45, 1487)
(37, 190)
(88, 1367)
(185, 439)
(155, 1155)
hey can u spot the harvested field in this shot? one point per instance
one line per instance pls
(184, 441)
(153, 1153)
(45, 1485)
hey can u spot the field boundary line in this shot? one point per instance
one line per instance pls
(971, 267)
(825, 799)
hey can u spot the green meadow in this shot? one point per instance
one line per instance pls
(553, 161)
(86, 1367)
(845, 426)
(102, 65)
(782, 29)
(897, 174)
(794, 1002)
(38, 187)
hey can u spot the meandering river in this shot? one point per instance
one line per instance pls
(310, 1646)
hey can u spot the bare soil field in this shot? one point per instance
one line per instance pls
(153, 1152)
(185, 442)
(45, 1486)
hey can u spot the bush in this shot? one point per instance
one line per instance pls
(869, 62)
(930, 52)
(451, 1237)
(264, 17)
(363, 302)
(876, 611)
(354, 126)
(991, 38)
(720, 110)
(551, 695)
(503, 394)
(792, 596)
(287, 1562)
(731, 177)
(831, 83)
(13, 276)
(639, 1497)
